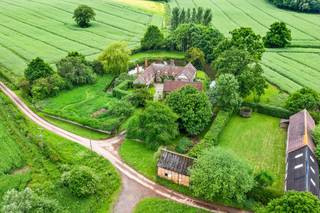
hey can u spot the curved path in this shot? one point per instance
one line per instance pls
(106, 149)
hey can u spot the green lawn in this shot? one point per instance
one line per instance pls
(80, 104)
(24, 163)
(260, 141)
(157, 205)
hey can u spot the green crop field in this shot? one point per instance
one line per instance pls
(45, 28)
(290, 68)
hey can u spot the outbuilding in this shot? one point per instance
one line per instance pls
(175, 167)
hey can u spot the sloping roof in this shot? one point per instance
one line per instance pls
(175, 162)
(300, 129)
(170, 86)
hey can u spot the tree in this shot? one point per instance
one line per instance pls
(311, 6)
(193, 108)
(37, 68)
(182, 18)
(46, 87)
(139, 97)
(218, 174)
(226, 93)
(199, 15)
(74, 70)
(279, 36)
(304, 98)
(175, 18)
(81, 181)
(153, 38)
(115, 58)
(121, 109)
(207, 17)
(156, 126)
(196, 57)
(27, 201)
(293, 202)
(316, 135)
(83, 15)
(245, 39)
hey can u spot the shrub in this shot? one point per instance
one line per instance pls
(36, 69)
(196, 57)
(121, 109)
(269, 110)
(304, 98)
(122, 77)
(184, 145)
(97, 67)
(47, 87)
(139, 97)
(264, 195)
(120, 91)
(83, 15)
(312, 6)
(81, 181)
(316, 135)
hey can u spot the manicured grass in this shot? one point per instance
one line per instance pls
(24, 162)
(157, 55)
(45, 28)
(260, 141)
(80, 104)
(157, 205)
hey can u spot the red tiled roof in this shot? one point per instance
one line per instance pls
(170, 86)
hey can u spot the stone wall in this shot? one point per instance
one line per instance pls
(174, 177)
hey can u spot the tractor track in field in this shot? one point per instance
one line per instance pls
(106, 149)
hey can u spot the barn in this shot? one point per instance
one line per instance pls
(174, 167)
(302, 168)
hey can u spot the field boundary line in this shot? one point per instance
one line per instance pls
(224, 13)
(14, 52)
(297, 61)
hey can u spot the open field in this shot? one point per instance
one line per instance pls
(24, 163)
(247, 138)
(290, 68)
(158, 205)
(45, 28)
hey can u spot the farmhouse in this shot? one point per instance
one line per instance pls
(157, 73)
(175, 167)
(302, 169)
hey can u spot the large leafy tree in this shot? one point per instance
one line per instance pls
(279, 36)
(156, 125)
(299, 5)
(115, 58)
(226, 93)
(153, 38)
(36, 69)
(83, 15)
(293, 202)
(196, 57)
(304, 98)
(218, 174)
(193, 108)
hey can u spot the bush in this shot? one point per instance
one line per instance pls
(97, 67)
(36, 69)
(47, 87)
(81, 181)
(120, 91)
(316, 135)
(184, 145)
(139, 97)
(304, 98)
(269, 110)
(121, 109)
(264, 195)
(122, 77)
(312, 6)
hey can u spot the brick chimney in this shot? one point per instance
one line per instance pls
(172, 62)
(145, 63)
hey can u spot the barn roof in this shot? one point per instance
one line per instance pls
(300, 129)
(170, 86)
(175, 162)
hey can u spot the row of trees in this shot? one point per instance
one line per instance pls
(196, 16)
(312, 6)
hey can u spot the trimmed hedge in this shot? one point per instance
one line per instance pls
(212, 136)
(269, 110)
(121, 90)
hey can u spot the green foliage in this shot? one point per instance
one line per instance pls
(81, 181)
(28, 201)
(196, 57)
(264, 179)
(193, 108)
(293, 202)
(183, 145)
(97, 67)
(316, 134)
(115, 58)
(156, 126)
(218, 174)
(122, 77)
(121, 90)
(121, 109)
(226, 93)
(274, 111)
(153, 39)
(139, 97)
(76, 71)
(317, 152)
(204, 78)
(36, 69)
(47, 87)
(312, 6)
(279, 36)
(304, 98)
(83, 15)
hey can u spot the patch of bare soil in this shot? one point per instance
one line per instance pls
(22, 170)
(99, 112)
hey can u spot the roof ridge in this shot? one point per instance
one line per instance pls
(176, 153)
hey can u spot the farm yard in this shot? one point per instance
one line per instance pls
(290, 68)
(46, 28)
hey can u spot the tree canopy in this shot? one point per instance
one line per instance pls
(196, 57)
(304, 98)
(218, 174)
(36, 69)
(293, 202)
(279, 36)
(299, 5)
(193, 108)
(153, 38)
(115, 58)
(83, 15)
(156, 125)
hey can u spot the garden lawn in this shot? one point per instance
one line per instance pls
(80, 104)
(158, 205)
(260, 141)
(24, 163)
